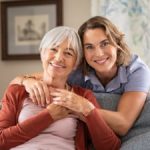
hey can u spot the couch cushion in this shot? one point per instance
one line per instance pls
(138, 142)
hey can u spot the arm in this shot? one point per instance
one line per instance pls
(20, 79)
(10, 128)
(131, 101)
(13, 133)
(101, 134)
(37, 89)
(129, 108)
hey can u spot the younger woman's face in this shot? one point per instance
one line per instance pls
(99, 53)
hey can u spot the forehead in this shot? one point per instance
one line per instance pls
(94, 35)
(65, 44)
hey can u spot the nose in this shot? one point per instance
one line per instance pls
(59, 56)
(98, 51)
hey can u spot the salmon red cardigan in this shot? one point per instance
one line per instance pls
(13, 133)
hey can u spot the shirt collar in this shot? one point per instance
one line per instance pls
(113, 84)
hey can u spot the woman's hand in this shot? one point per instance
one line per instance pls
(38, 91)
(79, 105)
(58, 112)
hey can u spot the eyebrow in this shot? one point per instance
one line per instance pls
(104, 40)
(71, 49)
(97, 42)
(68, 48)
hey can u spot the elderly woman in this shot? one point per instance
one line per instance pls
(70, 121)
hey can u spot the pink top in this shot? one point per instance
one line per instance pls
(58, 136)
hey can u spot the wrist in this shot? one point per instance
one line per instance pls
(88, 109)
(26, 77)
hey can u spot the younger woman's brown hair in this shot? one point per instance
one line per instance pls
(115, 37)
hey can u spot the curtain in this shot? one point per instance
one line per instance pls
(132, 17)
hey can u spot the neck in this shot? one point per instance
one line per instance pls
(55, 82)
(106, 77)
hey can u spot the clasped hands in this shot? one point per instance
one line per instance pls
(59, 102)
(74, 103)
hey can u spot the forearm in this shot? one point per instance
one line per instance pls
(20, 79)
(22, 132)
(102, 135)
(9, 126)
(128, 109)
(116, 121)
(17, 80)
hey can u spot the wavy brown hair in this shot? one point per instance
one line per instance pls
(114, 36)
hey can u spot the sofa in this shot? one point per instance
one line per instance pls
(138, 137)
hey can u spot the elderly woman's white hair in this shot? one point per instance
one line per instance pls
(57, 35)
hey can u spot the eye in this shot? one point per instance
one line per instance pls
(53, 49)
(104, 44)
(68, 53)
(88, 47)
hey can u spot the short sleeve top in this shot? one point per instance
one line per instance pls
(134, 77)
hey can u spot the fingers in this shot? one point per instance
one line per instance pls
(73, 102)
(60, 93)
(39, 96)
(57, 112)
(42, 93)
(32, 95)
(38, 92)
(47, 94)
(67, 99)
(72, 105)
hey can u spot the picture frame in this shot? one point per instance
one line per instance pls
(23, 24)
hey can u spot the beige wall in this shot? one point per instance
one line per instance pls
(75, 12)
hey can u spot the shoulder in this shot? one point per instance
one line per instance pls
(81, 91)
(137, 75)
(15, 88)
(13, 97)
(137, 64)
(84, 92)
(76, 77)
(15, 92)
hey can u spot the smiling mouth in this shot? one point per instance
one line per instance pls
(101, 61)
(57, 65)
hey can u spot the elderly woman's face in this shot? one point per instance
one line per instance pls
(59, 61)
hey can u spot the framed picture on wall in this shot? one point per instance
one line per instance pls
(23, 24)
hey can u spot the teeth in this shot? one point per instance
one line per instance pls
(100, 61)
(55, 65)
